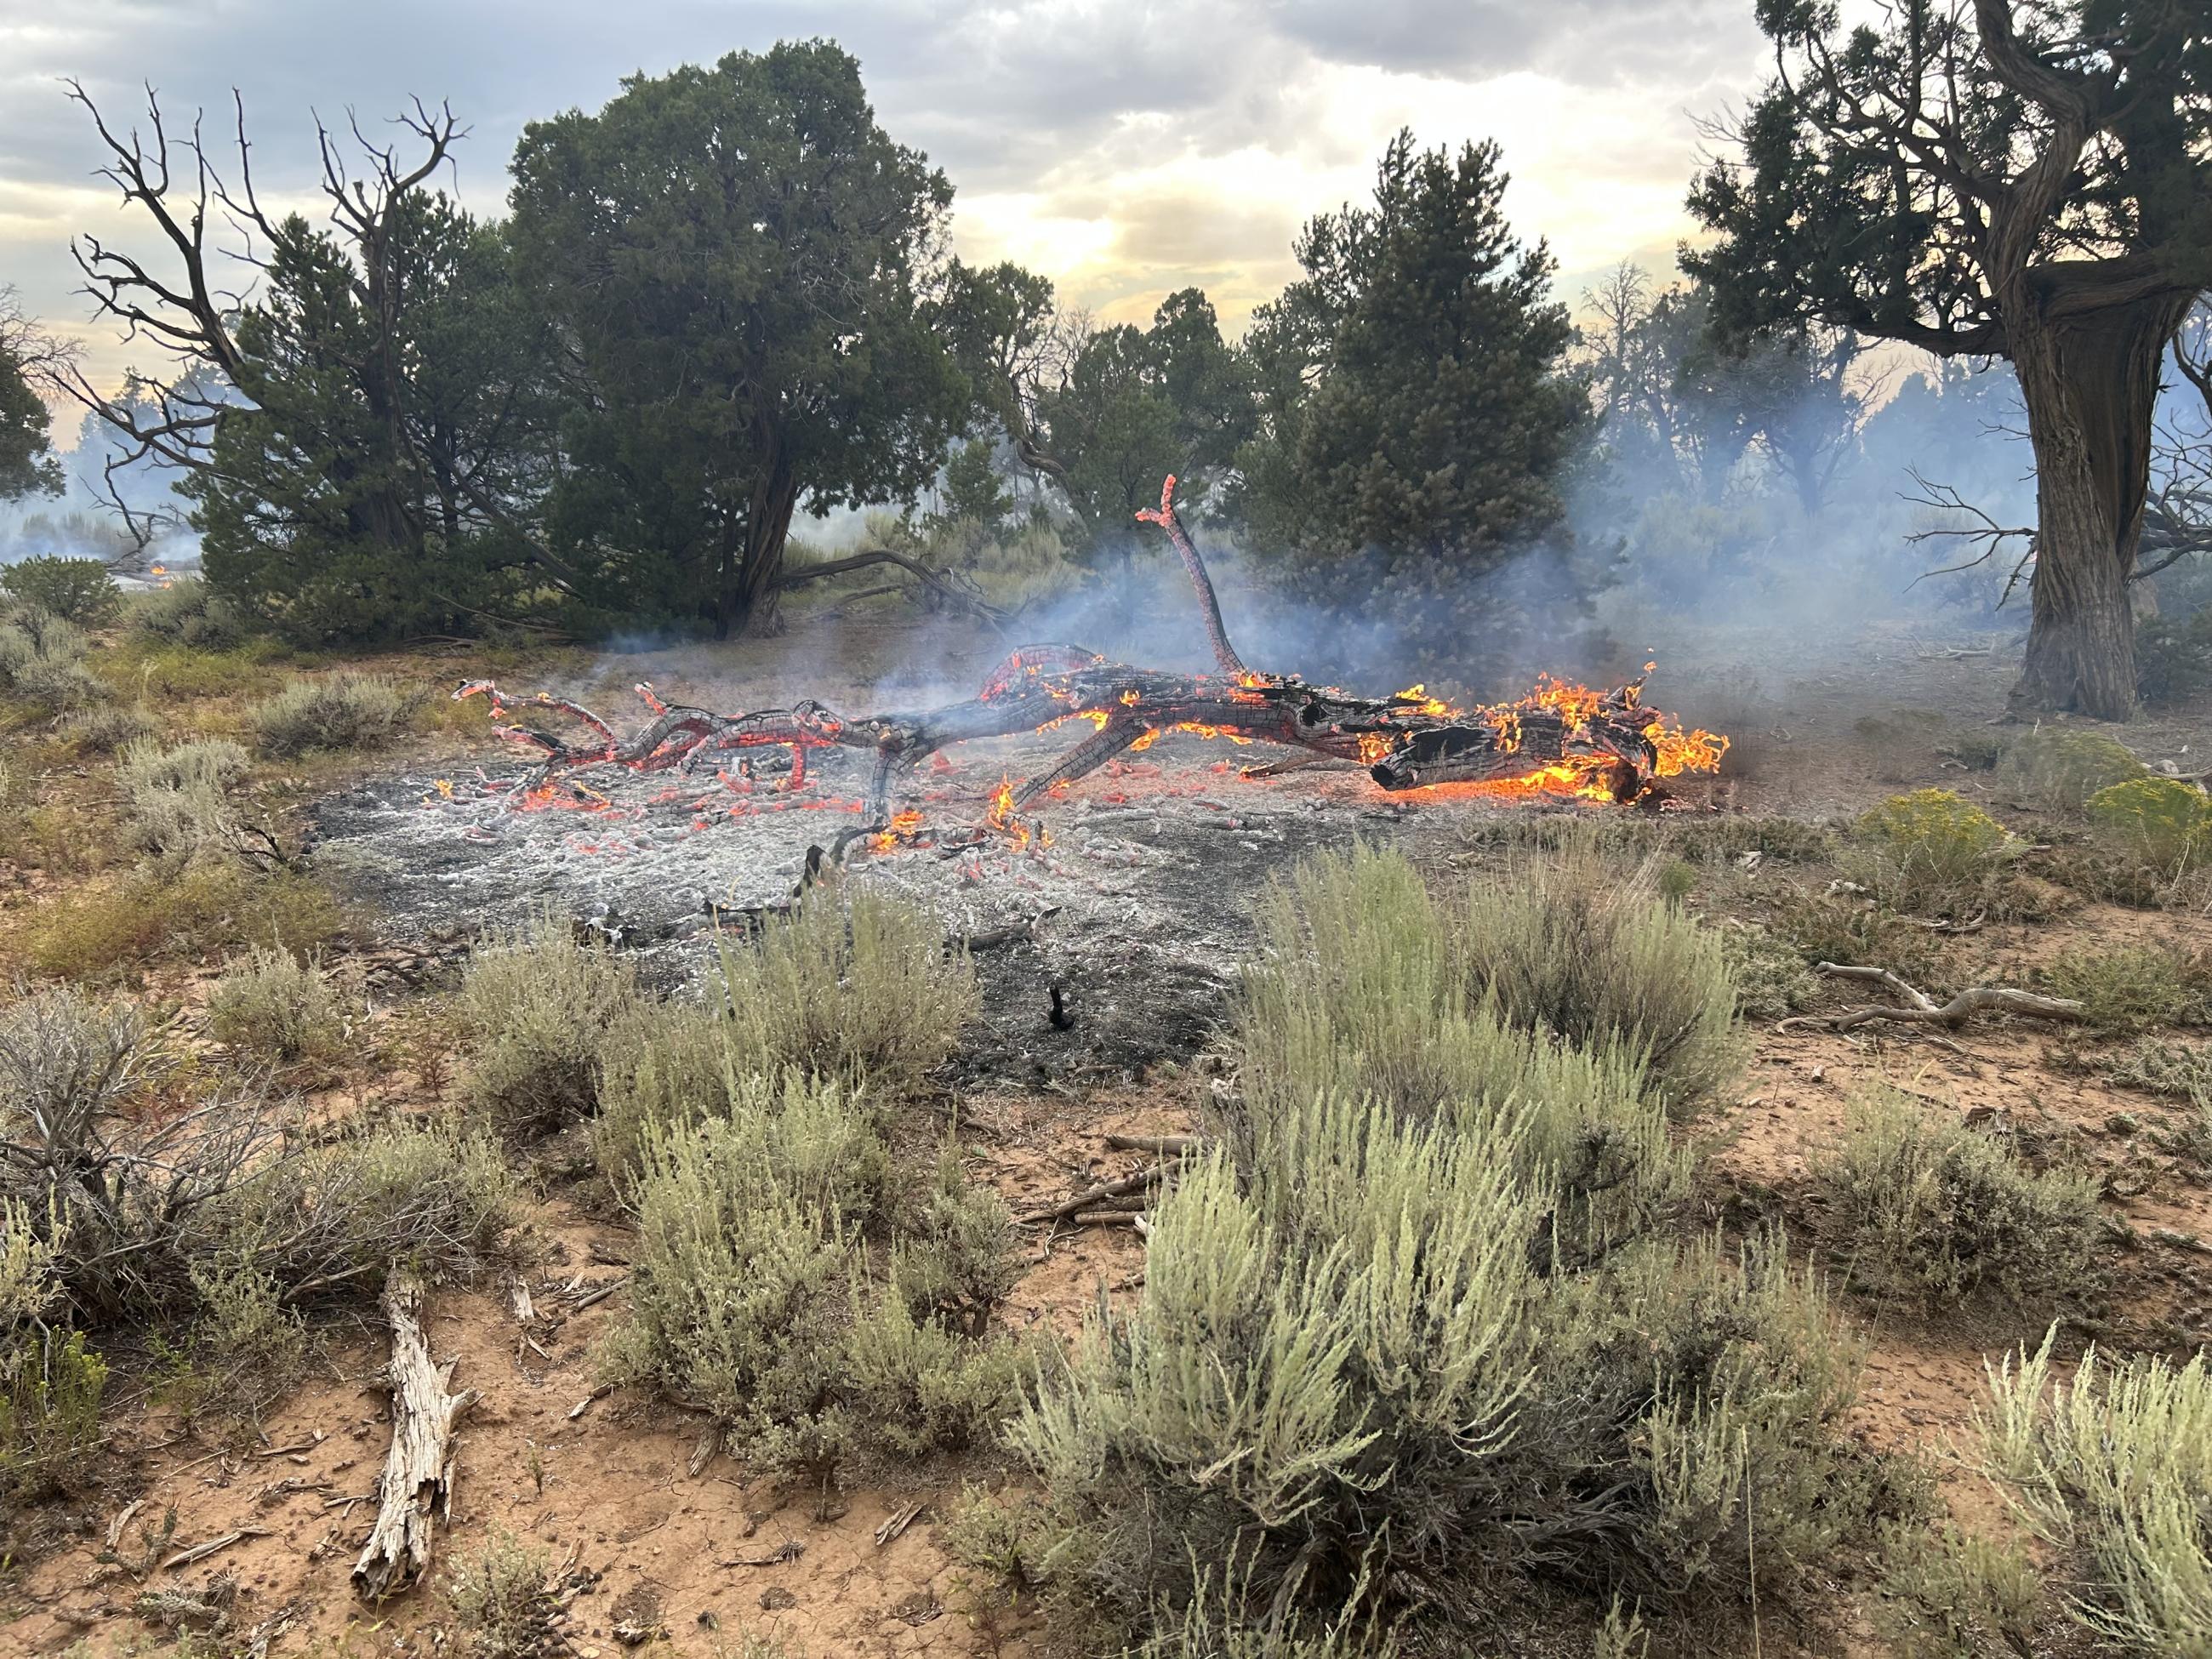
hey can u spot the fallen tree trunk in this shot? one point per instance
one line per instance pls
(418, 1473)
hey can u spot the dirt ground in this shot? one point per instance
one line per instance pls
(682, 1550)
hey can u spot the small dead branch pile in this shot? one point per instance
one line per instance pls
(1120, 1202)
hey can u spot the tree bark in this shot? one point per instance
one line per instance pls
(2090, 383)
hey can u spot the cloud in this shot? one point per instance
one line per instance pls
(1122, 147)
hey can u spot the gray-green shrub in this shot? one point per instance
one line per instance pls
(2112, 1470)
(178, 797)
(1348, 1364)
(1931, 1211)
(752, 1293)
(79, 590)
(188, 612)
(1575, 945)
(339, 711)
(273, 1004)
(537, 1004)
(50, 1384)
(860, 985)
(1357, 992)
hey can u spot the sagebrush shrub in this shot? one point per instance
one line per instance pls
(2163, 821)
(1930, 850)
(1930, 1210)
(28, 1287)
(505, 1599)
(663, 1064)
(341, 711)
(79, 590)
(178, 797)
(2062, 767)
(1348, 1365)
(752, 1293)
(274, 1006)
(188, 612)
(2133, 988)
(1576, 945)
(1956, 1595)
(1356, 993)
(954, 1260)
(537, 1003)
(1770, 975)
(2112, 1470)
(2162, 1067)
(859, 985)
(108, 726)
(42, 659)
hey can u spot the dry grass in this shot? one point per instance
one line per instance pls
(337, 711)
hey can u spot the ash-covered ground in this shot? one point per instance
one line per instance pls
(1137, 886)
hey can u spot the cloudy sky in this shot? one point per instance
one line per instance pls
(1122, 148)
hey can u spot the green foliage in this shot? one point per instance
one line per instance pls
(110, 929)
(1954, 1594)
(1358, 993)
(2133, 988)
(1137, 404)
(536, 1004)
(2173, 657)
(28, 464)
(972, 492)
(857, 987)
(793, 208)
(1417, 424)
(49, 1389)
(504, 1597)
(78, 591)
(28, 1287)
(2163, 821)
(277, 1008)
(2113, 1469)
(248, 1344)
(189, 613)
(2061, 767)
(1926, 1209)
(1573, 944)
(325, 519)
(1930, 851)
(341, 711)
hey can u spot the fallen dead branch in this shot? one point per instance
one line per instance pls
(1105, 1189)
(1560, 739)
(418, 1474)
(1164, 1146)
(1920, 1009)
(790, 1550)
(185, 1558)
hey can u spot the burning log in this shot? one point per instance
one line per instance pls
(1559, 739)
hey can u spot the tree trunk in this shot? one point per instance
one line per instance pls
(2090, 383)
(768, 525)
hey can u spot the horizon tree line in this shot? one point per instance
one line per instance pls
(728, 294)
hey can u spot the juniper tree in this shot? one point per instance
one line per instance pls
(26, 461)
(745, 263)
(1414, 404)
(2029, 179)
